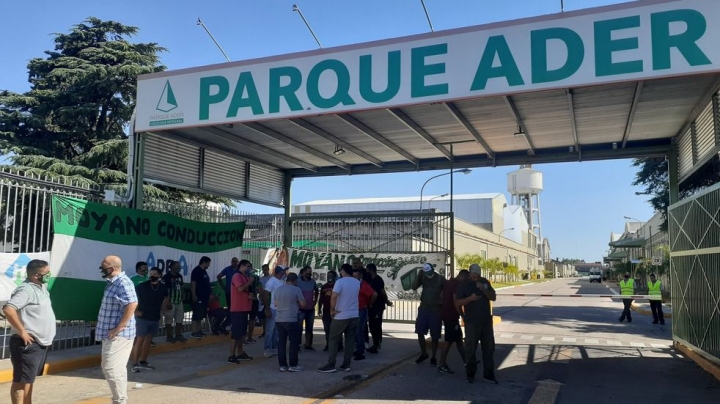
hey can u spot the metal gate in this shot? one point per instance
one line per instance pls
(694, 229)
(378, 233)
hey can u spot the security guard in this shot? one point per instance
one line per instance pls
(655, 288)
(627, 288)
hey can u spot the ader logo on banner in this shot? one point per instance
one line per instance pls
(162, 263)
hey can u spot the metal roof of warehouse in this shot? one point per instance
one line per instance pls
(622, 116)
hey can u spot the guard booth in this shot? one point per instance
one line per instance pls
(638, 79)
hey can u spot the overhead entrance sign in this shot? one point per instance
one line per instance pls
(633, 41)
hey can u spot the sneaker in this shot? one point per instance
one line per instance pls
(283, 368)
(345, 368)
(421, 358)
(170, 339)
(152, 344)
(196, 335)
(232, 359)
(433, 362)
(310, 348)
(268, 353)
(445, 369)
(327, 369)
(373, 349)
(136, 368)
(146, 366)
(250, 341)
(180, 338)
(359, 357)
(490, 379)
(296, 368)
(243, 357)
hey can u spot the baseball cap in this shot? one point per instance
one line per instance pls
(428, 267)
(474, 269)
(279, 269)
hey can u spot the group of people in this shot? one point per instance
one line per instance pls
(351, 307)
(655, 288)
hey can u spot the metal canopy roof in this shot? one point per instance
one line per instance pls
(577, 119)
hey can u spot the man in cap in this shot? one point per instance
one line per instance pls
(474, 298)
(655, 288)
(428, 317)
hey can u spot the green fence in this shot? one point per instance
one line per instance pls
(694, 228)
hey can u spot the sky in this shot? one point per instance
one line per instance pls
(582, 203)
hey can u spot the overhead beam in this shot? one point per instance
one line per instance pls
(263, 130)
(475, 134)
(245, 143)
(521, 124)
(573, 121)
(171, 134)
(631, 115)
(359, 125)
(328, 136)
(636, 149)
(399, 114)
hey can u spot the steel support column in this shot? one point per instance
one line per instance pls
(287, 226)
(138, 172)
(673, 173)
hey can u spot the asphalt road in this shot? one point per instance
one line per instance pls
(549, 350)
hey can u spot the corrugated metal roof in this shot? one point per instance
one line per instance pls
(398, 199)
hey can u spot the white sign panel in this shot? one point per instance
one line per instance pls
(634, 41)
(13, 267)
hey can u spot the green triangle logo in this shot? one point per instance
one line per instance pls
(167, 101)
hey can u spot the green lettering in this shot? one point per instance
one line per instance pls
(393, 78)
(419, 70)
(287, 91)
(497, 45)
(297, 259)
(686, 43)
(605, 46)
(342, 90)
(206, 99)
(245, 83)
(575, 54)
(327, 262)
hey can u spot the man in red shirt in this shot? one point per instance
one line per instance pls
(451, 320)
(366, 298)
(240, 308)
(324, 303)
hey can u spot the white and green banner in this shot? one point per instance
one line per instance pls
(398, 270)
(13, 267)
(86, 232)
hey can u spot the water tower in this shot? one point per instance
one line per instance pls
(525, 186)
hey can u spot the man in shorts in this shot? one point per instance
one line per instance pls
(152, 300)
(32, 319)
(428, 318)
(451, 320)
(173, 281)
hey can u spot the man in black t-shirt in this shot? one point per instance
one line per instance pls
(152, 299)
(200, 289)
(475, 297)
(428, 317)
(376, 310)
(173, 281)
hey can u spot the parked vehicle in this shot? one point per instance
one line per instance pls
(595, 276)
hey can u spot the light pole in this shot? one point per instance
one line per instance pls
(435, 197)
(464, 171)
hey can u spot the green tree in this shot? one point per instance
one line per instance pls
(653, 176)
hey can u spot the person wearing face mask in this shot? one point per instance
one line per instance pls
(32, 319)
(141, 273)
(310, 292)
(152, 300)
(627, 288)
(428, 317)
(173, 281)
(116, 326)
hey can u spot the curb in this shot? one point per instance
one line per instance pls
(66, 365)
(647, 312)
(708, 366)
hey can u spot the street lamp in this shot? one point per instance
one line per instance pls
(435, 197)
(464, 171)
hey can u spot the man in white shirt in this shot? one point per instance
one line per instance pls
(344, 310)
(271, 334)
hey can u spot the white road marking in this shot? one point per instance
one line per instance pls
(591, 341)
(527, 337)
(637, 344)
(566, 339)
(507, 335)
(617, 343)
(547, 338)
(660, 345)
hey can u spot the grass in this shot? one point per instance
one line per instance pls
(516, 283)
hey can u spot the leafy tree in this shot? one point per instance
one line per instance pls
(653, 176)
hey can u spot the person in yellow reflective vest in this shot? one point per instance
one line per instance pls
(627, 288)
(655, 288)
